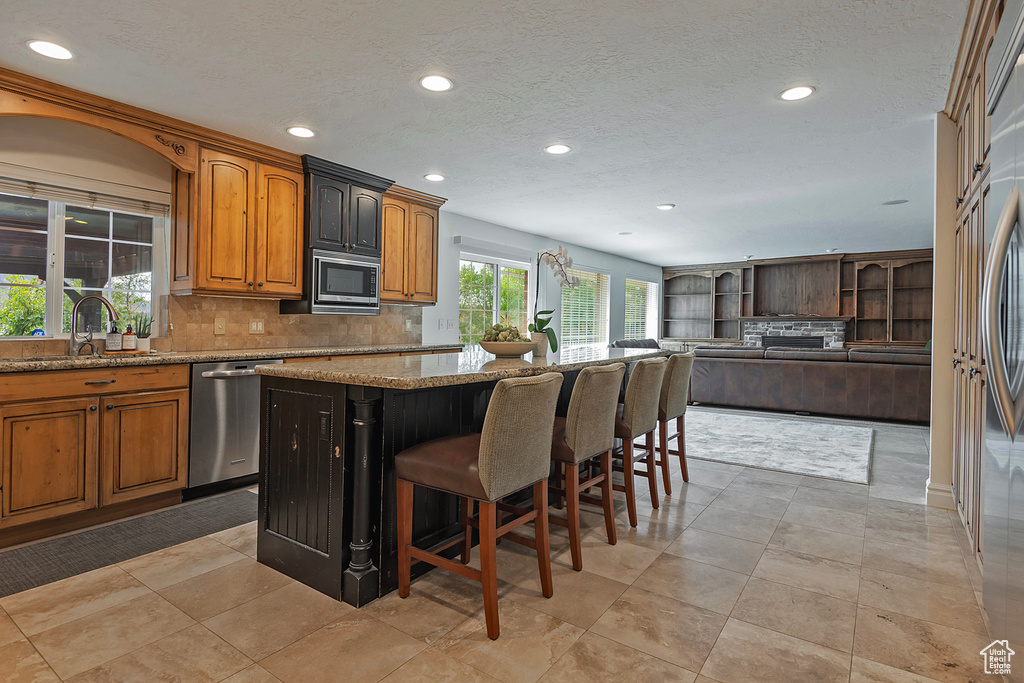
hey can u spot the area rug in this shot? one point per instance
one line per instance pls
(59, 558)
(784, 444)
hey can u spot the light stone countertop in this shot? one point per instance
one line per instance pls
(45, 363)
(472, 364)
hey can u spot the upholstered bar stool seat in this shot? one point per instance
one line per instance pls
(637, 417)
(675, 392)
(587, 432)
(513, 452)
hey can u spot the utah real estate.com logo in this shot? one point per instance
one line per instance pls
(997, 657)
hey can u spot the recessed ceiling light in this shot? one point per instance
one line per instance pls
(797, 93)
(666, 207)
(830, 251)
(894, 202)
(436, 83)
(557, 149)
(51, 50)
(748, 257)
(301, 132)
(625, 233)
(434, 177)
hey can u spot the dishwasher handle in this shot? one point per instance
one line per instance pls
(226, 374)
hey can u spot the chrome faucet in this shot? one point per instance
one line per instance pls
(80, 341)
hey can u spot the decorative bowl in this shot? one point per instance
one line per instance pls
(508, 349)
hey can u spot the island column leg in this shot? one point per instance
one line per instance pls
(361, 580)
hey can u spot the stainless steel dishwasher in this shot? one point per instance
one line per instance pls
(225, 439)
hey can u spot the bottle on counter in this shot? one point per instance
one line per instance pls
(113, 338)
(129, 340)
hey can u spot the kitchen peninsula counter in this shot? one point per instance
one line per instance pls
(330, 431)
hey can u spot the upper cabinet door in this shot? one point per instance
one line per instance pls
(393, 260)
(279, 249)
(422, 286)
(328, 207)
(365, 222)
(227, 193)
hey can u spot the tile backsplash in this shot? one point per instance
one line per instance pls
(192, 328)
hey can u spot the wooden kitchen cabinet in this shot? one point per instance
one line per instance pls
(409, 260)
(249, 228)
(48, 459)
(77, 441)
(344, 207)
(143, 445)
(279, 243)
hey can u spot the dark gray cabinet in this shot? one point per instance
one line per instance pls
(344, 207)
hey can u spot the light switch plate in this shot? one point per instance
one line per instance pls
(408, 326)
(219, 325)
(440, 323)
(255, 325)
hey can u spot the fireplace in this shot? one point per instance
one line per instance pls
(796, 342)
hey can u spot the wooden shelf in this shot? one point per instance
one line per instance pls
(906, 287)
(690, 294)
(872, 289)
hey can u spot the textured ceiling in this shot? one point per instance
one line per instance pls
(661, 101)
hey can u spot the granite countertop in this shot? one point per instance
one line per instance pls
(472, 364)
(42, 363)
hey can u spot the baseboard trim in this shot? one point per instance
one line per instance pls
(940, 496)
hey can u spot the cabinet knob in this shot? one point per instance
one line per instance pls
(260, 284)
(977, 167)
(110, 406)
(956, 362)
(959, 201)
(973, 372)
(92, 409)
(250, 283)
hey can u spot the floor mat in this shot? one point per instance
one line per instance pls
(59, 558)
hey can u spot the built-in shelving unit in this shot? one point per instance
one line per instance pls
(885, 297)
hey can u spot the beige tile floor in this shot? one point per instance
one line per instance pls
(742, 575)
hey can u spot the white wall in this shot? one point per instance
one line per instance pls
(447, 307)
(81, 157)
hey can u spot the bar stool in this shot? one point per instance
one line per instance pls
(640, 417)
(675, 390)
(512, 452)
(588, 431)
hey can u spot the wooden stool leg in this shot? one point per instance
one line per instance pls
(606, 496)
(666, 473)
(540, 504)
(652, 469)
(628, 480)
(681, 445)
(467, 530)
(572, 501)
(488, 566)
(405, 489)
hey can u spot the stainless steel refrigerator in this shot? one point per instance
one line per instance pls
(1002, 322)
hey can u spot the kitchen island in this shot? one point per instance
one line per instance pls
(329, 435)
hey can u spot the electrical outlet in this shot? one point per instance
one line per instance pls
(408, 326)
(219, 325)
(255, 325)
(451, 323)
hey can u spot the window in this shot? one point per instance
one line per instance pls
(641, 309)
(585, 310)
(491, 291)
(52, 253)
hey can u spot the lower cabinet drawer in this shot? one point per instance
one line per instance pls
(30, 386)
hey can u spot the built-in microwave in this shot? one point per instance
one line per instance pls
(344, 284)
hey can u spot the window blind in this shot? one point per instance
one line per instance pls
(641, 309)
(585, 310)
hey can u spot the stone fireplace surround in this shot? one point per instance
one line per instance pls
(832, 329)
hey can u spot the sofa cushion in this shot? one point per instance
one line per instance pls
(782, 352)
(729, 352)
(897, 356)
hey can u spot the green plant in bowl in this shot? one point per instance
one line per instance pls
(143, 324)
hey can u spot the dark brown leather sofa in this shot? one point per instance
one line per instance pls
(874, 383)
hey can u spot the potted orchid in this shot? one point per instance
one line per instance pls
(559, 262)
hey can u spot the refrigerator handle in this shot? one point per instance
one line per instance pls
(1009, 408)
